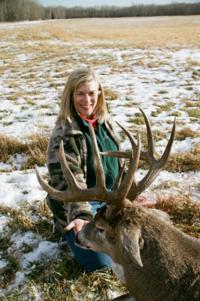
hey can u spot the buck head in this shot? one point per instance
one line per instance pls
(119, 237)
(126, 236)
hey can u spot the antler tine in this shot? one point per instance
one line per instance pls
(122, 201)
(98, 168)
(134, 145)
(167, 150)
(144, 155)
(119, 177)
(120, 154)
(129, 176)
(68, 175)
(149, 134)
(57, 194)
(155, 167)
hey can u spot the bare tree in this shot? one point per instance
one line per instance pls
(17, 10)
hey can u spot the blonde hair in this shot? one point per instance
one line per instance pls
(75, 79)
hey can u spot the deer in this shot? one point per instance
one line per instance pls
(152, 257)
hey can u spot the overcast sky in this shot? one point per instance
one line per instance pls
(86, 3)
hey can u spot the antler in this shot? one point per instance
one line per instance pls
(125, 189)
(155, 165)
(75, 193)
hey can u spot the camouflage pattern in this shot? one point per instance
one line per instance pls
(75, 146)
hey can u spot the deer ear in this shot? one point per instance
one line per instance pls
(131, 243)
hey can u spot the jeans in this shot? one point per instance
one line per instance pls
(89, 260)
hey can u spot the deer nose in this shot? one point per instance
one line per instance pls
(77, 239)
(79, 242)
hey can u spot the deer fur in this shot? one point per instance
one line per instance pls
(155, 260)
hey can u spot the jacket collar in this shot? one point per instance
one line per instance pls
(71, 127)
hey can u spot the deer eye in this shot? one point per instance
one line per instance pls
(100, 230)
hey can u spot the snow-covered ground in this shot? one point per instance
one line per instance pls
(31, 82)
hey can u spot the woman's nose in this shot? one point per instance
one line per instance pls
(87, 97)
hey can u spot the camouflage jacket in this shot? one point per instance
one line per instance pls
(75, 146)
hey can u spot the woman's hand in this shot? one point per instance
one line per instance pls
(77, 224)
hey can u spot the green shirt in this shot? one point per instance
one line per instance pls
(105, 143)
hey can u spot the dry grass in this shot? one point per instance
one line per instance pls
(138, 32)
(184, 212)
(35, 149)
(22, 219)
(110, 94)
(136, 120)
(194, 113)
(64, 281)
(186, 132)
(9, 271)
(183, 162)
(189, 103)
(167, 106)
(10, 146)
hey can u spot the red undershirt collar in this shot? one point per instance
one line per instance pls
(92, 120)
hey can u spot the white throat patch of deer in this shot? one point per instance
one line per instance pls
(157, 261)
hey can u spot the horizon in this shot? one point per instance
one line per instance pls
(92, 3)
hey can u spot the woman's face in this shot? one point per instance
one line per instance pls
(86, 97)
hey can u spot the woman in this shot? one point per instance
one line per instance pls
(82, 102)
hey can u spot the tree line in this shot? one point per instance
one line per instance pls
(18, 10)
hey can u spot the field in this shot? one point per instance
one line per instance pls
(149, 63)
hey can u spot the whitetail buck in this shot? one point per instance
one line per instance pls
(155, 260)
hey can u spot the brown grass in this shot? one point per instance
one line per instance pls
(194, 113)
(37, 151)
(22, 219)
(10, 146)
(110, 94)
(183, 162)
(186, 132)
(35, 148)
(184, 212)
(137, 31)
